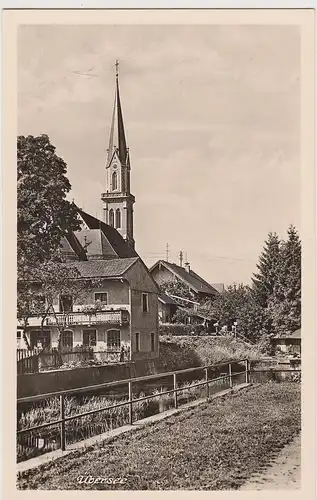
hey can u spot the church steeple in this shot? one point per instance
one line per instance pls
(117, 141)
(118, 201)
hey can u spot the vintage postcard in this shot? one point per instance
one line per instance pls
(159, 252)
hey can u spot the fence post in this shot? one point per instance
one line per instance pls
(175, 392)
(246, 371)
(62, 417)
(249, 371)
(230, 376)
(207, 384)
(130, 404)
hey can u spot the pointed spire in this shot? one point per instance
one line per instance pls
(117, 141)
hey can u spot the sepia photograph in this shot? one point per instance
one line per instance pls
(159, 233)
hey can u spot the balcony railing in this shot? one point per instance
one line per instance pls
(116, 317)
(79, 318)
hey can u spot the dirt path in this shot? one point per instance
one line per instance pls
(282, 474)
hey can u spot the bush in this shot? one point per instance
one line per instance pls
(177, 329)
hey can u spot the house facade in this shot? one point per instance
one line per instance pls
(126, 314)
(121, 313)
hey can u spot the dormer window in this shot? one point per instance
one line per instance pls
(114, 181)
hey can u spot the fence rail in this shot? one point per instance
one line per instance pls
(131, 400)
(34, 360)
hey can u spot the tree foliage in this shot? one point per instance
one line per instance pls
(268, 269)
(238, 304)
(272, 305)
(285, 302)
(178, 288)
(44, 214)
(39, 296)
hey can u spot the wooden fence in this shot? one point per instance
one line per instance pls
(32, 361)
(205, 372)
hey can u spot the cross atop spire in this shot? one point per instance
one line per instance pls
(117, 141)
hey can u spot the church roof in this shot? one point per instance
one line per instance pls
(117, 141)
(96, 244)
(110, 268)
(119, 245)
(192, 279)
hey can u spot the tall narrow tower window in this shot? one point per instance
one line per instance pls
(111, 217)
(118, 218)
(114, 181)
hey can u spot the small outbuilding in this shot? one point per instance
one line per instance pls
(289, 343)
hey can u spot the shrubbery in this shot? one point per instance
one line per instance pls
(177, 329)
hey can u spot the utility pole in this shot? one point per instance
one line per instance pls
(167, 251)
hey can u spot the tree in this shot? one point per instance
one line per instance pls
(178, 288)
(44, 215)
(285, 303)
(51, 281)
(238, 304)
(268, 270)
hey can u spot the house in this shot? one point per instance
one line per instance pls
(123, 310)
(164, 272)
(288, 343)
(128, 314)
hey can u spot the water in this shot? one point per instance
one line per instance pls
(44, 440)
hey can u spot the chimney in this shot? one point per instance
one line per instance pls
(181, 259)
(187, 266)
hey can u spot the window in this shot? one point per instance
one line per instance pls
(145, 302)
(66, 303)
(89, 337)
(40, 338)
(67, 338)
(113, 339)
(114, 181)
(137, 342)
(101, 297)
(118, 218)
(111, 217)
(19, 334)
(152, 341)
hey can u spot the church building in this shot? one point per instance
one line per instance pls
(127, 312)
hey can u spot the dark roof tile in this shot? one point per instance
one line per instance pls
(110, 268)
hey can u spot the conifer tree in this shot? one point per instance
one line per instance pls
(285, 303)
(264, 280)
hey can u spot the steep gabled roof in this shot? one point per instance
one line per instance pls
(190, 278)
(119, 245)
(111, 268)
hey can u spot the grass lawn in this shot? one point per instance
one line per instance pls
(214, 447)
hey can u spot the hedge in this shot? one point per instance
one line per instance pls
(181, 329)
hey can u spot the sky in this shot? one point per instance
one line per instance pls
(212, 119)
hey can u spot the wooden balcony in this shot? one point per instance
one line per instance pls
(117, 317)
